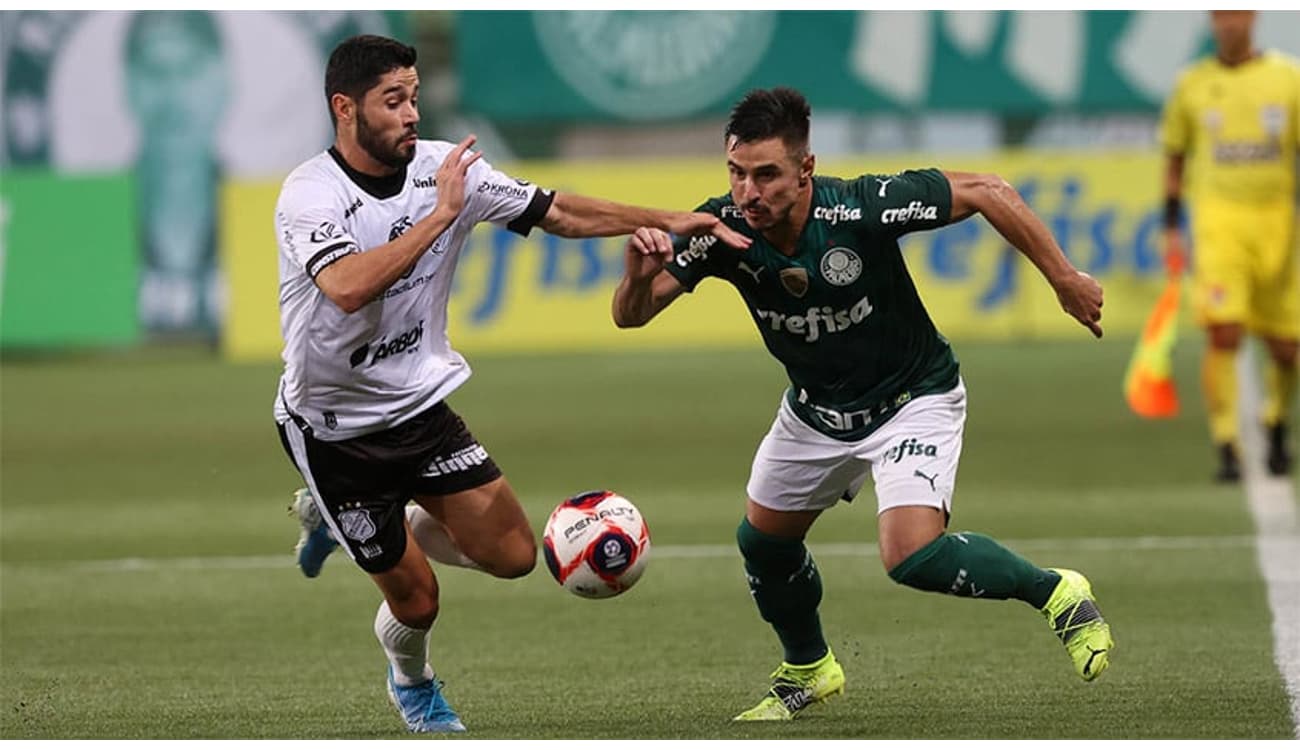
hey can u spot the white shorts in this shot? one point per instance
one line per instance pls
(912, 459)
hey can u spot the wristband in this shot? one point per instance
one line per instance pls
(1173, 212)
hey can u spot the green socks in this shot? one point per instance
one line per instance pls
(787, 589)
(973, 565)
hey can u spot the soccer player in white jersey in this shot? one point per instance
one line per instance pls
(369, 233)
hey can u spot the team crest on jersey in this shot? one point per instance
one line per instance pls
(841, 266)
(795, 281)
(357, 524)
(399, 228)
(1273, 118)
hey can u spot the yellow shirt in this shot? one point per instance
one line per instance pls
(1238, 128)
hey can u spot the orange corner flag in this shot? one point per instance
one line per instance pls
(1149, 384)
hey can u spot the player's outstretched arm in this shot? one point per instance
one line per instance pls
(572, 215)
(1079, 294)
(354, 280)
(646, 288)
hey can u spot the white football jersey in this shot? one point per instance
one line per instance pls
(351, 374)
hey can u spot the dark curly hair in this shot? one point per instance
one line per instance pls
(357, 64)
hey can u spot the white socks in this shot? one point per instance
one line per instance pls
(434, 540)
(407, 648)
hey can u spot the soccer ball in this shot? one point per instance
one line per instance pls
(596, 544)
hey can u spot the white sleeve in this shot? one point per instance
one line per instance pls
(309, 225)
(497, 197)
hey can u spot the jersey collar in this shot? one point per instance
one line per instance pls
(377, 187)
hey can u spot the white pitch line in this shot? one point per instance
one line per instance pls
(661, 552)
(1273, 504)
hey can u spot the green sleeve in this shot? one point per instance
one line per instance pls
(691, 260)
(910, 201)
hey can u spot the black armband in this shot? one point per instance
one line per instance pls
(1173, 212)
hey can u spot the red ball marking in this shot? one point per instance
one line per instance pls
(588, 500)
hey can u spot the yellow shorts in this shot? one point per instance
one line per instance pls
(1245, 266)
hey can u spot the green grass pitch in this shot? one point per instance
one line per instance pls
(171, 458)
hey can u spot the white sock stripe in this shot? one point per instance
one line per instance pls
(1272, 504)
(298, 444)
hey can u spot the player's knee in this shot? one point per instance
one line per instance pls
(1225, 336)
(748, 540)
(906, 529)
(894, 552)
(519, 565)
(415, 610)
(895, 549)
(515, 560)
(769, 553)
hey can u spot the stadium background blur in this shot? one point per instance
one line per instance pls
(141, 489)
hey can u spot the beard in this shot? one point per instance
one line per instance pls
(767, 219)
(393, 154)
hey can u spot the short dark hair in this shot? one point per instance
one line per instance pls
(357, 64)
(780, 112)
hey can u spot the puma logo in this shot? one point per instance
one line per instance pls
(1087, 667)
(929, 479)
(751, 271)
(883, 184)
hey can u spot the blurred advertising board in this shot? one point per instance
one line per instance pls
(68, 260)
(181, 100)
(545, 293)
(655, 65)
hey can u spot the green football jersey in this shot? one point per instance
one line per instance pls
(842, 313)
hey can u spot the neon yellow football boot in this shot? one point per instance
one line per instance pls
(1072, 612)
(795, 688)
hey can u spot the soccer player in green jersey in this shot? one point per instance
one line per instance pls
(874, 389)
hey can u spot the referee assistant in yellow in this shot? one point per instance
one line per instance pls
(1232, 121)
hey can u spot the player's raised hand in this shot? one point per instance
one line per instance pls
(647, 251)
(1080, 296)
(450, 177)
(699, 223)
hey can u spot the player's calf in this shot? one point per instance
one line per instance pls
(972, 565)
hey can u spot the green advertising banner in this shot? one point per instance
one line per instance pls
(182, 98)
(655, 65)
(69, 260)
